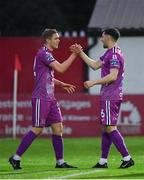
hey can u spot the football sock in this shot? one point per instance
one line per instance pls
(16, 157)
(102, 161)
(25, 143)
(58, 146)
(60, 161)
(105, 145)
(127, 158)
(118, 141)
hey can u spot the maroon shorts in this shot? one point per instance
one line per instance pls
(45, 113)
(110, 111)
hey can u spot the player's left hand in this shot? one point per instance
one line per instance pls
(69, 88)
(88, 84)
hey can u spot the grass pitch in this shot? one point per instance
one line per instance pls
(38, 162)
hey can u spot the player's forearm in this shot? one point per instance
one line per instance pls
(105, 80)
(90, 62)
(67, 63)
(58, 82)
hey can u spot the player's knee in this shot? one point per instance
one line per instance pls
(57, 129)
(37, 130)
(111, 128)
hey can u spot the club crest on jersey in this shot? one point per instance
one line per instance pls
(49, 57)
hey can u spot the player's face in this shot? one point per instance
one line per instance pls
(104, 40)
(54, 41)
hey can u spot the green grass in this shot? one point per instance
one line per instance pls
(38, 162)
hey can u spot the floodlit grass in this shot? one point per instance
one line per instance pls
(39, 161)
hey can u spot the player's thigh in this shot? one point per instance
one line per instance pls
(108, 128)
(40, 111)
(110, 112)
(54, 115)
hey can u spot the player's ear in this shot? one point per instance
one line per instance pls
(47, 40)
(108, 37)
(111, 38)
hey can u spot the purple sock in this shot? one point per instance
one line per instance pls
(105, 145)
(58, 146)
(26, 142)
(118, 141)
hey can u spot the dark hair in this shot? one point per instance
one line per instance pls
(48, 33)
(113, 32)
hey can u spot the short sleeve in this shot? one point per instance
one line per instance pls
(101, 58)
(114, 61)
(48, 58)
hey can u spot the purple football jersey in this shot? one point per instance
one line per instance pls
(44, 75)
(112, 58)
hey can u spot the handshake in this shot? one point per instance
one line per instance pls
(76, 48)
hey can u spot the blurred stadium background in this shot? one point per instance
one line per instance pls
(21, 23)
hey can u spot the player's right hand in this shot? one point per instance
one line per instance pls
(76, 48)
(88, 84)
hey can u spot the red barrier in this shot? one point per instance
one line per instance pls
(26, 49)
(80, 114)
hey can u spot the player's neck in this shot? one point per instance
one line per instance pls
(111, 45)
(49, 47)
